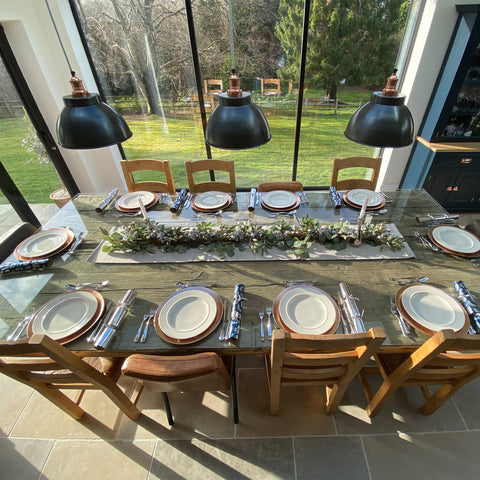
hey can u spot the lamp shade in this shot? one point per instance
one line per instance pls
(237, 123)
(383, 122)
(87, 122)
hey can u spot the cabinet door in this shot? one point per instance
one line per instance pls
(441, 182)
(465, 193)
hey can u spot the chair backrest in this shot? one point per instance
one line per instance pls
(270, 86)
(447, 358)
(130, 166)
(292, 186)
(372, 163)
(12, 237)
(209, 166)
(331, 360)
(55, 368)
(213, 86)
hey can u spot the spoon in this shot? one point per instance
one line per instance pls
(95, 285)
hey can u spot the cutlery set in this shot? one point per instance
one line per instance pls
(427, 244)
(401, 321)
(142, 332)
(261, 315)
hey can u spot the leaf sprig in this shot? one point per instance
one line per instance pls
(224, 239)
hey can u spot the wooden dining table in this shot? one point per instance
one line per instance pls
(370, 280)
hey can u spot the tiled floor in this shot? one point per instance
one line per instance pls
(38, 441)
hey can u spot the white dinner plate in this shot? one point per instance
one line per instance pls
(43, 243)
(455, 239)
(282, 199)
(65, 315)
(309, 310)
(130, 200)
(431, 309)
(187, 313)
(358, 195)
(211, 200)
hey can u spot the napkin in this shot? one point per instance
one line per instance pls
(436, 219)
(253, 198)
(233, 329)
(104, 337)
(107, 201)
(335, 198)
(468, 301)
(27, 265)
(179, 201)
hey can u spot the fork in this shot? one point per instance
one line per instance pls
(262, 331)
(269, 322)
(147, 324)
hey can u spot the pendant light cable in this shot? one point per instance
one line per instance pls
(59, 39)
(230, 23)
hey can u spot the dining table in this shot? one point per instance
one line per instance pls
(370, 278)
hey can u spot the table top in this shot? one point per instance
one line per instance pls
(369, 280)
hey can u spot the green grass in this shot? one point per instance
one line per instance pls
(180, 137)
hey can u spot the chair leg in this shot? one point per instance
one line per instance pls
(168, 410)
(234, 391)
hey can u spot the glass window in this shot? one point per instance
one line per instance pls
(142, 53)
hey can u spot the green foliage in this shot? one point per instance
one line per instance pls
(296, 240)
(356, 40)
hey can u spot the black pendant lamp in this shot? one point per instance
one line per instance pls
(86, 121)
(236, 123)
(383, 122)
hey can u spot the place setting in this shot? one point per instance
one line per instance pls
(280, 201)
(210, 203)
(130, 204)
(455, 240)
(356, 198)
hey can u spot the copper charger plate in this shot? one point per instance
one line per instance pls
(212, 210)
(199, 336)
(282, 324)
(451, 250)
(83, 328)
(356, 205)
(414, 323)
(280, 209)
(70, 239)
(133, 210)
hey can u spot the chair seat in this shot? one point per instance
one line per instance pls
(198, 372)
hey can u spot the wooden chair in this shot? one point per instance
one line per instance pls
(270, 86)
(438, 361)
(201, 372)
(130, 166)
(214, 86)
(212, 166)
(372, 163)
(12, 237)
(330, 360)
(55, 368)
(292, 186)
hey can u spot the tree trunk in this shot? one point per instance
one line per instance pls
(331, 92)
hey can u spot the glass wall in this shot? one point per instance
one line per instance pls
(142, 53)
(23, 157)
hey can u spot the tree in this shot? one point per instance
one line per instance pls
(348, 40)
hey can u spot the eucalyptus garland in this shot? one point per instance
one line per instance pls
(224, 239)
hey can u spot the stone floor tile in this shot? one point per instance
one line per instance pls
(440, 456)
(231, 459)
(15, 396)
(23, 458)
(99, 460)
(302, 410)
(401, 413)
(466, 400)
(330, 458)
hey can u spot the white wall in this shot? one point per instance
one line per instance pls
(436, 27)
(32, 37)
